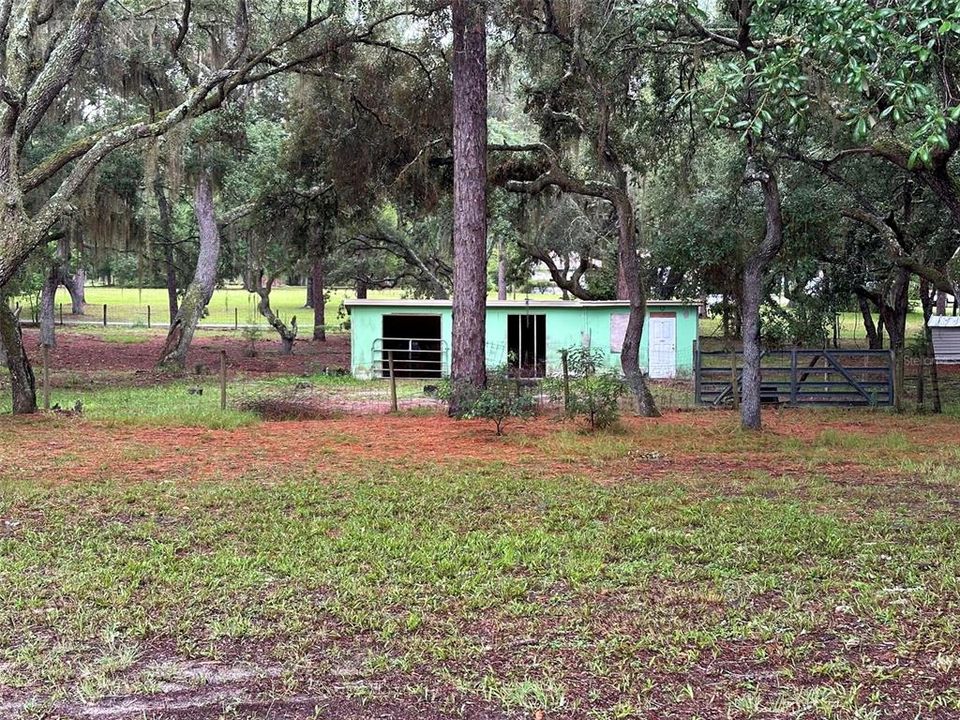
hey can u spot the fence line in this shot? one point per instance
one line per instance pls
(799, 377)
(146, 316)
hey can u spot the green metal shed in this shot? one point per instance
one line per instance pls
(529, 335)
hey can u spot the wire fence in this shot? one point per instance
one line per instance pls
(235, 318)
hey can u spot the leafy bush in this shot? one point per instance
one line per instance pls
(502, 398)
(595, 390)
(251, 334)
(918, 346)
(126, 271)
(804, 325)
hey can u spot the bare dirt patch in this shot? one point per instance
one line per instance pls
(89, 356)
(47, 447)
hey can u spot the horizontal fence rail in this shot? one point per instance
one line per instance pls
(411, 357)
(799, 376)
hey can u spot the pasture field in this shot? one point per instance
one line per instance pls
(161, 559)
(128, 306)
(229, 304)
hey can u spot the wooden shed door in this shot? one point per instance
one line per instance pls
(663, 345)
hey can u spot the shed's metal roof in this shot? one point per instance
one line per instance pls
(387, 302)
(944, 321)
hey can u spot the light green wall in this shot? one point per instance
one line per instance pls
(565, 328)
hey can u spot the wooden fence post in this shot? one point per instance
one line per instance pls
(46, 377)
(236, 318)
(104, 314)
(223, 379)
(734, 390)
(564, 361)
(696, 372)
(61, 314)
(921, 371)
(898, 372)
(794, 379)
(148, 317)
(393, 382)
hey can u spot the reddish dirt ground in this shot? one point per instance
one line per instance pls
(858, 448)
(46, 447)
(88, 353)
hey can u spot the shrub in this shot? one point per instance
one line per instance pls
(803, 324)
(595, 390)
(278, 408)
(251, 333)
(126, 271)
(502, 398)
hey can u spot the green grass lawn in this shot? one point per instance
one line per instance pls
(236, 304)
(129, 305)
(499, 588)
(228, 304)
(851, 328)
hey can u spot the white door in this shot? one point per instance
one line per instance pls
(663, 346)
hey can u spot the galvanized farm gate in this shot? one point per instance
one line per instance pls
(800, 377)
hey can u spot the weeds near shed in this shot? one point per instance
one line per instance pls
(592, 391)
(503, 397)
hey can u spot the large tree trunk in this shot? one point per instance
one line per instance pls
(623, 286)
(874, 338)
(928, 299)
(59, 275)
(894, 308)
(319, 302)
(76, 286)
(751, 299)
(48, 294)
(941, 302)
(287, 333)
(469, 195)
(200, 290)
(22, 382)
(753, 288)
(166, 230)
(633, 286)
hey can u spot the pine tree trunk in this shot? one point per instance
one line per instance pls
(319, 302)
(200, 290)
(361, 290)
(22, 382)
(469, 195)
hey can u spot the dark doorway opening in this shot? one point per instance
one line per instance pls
(527, 345)
(415, 343)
